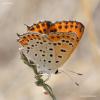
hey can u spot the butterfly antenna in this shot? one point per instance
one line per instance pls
(76, 83)
(74, 72)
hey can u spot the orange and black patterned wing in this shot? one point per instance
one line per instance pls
(40, 27)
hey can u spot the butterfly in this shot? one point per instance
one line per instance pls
(49, 45)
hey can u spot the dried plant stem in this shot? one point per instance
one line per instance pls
(40, 81)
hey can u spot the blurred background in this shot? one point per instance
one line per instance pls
(17, 79)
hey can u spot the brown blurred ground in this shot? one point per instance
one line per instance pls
(17, 80)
